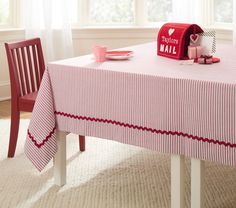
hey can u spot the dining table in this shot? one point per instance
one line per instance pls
(162, 104)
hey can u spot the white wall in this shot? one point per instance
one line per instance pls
(84, 40)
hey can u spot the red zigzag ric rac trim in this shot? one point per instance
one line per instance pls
(39, 145)
(141, 128)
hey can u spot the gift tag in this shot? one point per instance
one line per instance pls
(187, 62)
(194, 40)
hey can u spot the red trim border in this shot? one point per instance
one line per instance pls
(39, 145)
(141, 128)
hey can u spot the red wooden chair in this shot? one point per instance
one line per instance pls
(26, 68)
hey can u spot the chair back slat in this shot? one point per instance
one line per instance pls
(36, 67)
(31, 72)
(16, 84)
(26, 65)
(21, 78)
(40, 59)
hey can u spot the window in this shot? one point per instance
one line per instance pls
(217, 13)
(127, 12)
(223, 11)
(111, 12)
(159, 10)
(10, 13)
(4, 12)
(143, 12)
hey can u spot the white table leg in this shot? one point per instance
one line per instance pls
(177, 181)
(197, 183)
(60, 159)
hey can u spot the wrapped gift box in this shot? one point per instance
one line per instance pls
(194, 52)
(173, 39)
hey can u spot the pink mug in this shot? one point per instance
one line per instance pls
(100, 53)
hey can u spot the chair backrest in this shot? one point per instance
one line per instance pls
(26, 66)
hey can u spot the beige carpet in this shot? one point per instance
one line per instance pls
(107, 175)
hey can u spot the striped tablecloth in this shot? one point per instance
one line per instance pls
(149, 101)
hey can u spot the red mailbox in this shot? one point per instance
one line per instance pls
(173, 39)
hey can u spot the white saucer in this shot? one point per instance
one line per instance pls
(119, 55)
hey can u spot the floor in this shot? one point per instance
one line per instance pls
(5, 111)
(111, 174)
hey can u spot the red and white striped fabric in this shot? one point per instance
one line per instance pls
(149, 101)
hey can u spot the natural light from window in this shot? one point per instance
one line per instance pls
(4, 11)
(159, 10)
(123, 12)
(223, 11)
(111, 12)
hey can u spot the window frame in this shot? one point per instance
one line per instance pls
(141, 19)
(83, 17)
(14, 15)
(140, 16)
(213, 23)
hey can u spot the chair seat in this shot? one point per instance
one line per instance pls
(26, 102)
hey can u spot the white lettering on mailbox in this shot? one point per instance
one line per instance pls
(167, 49)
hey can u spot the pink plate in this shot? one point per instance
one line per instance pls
(119, 55)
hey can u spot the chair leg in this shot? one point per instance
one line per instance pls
(82, 143)
(15, 121)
